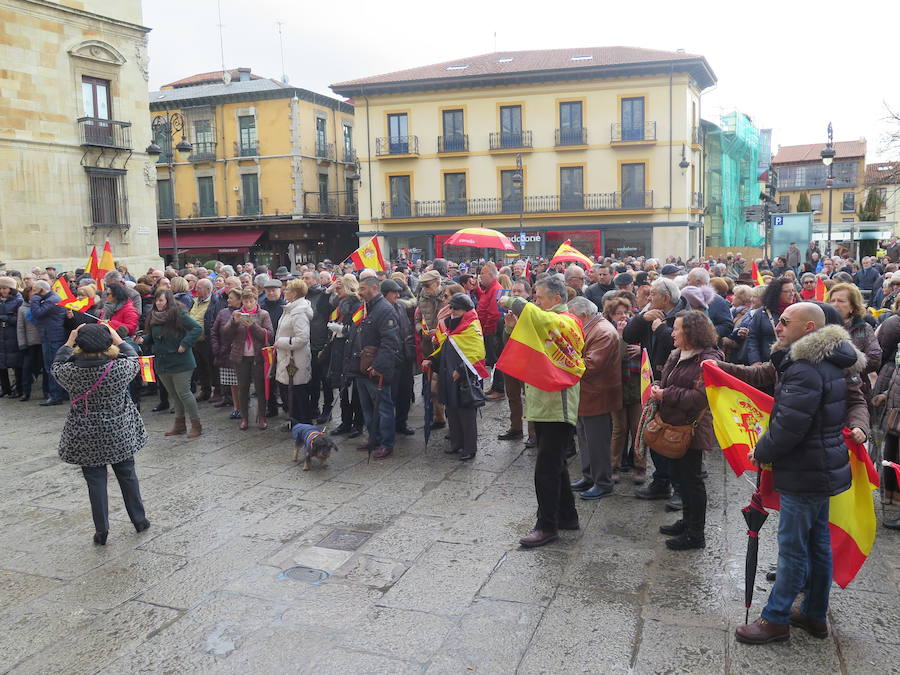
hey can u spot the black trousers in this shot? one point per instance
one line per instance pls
(463, 424)
(687, 471)
(318, 384)
(203, 373)
(402, 389)
(5, 384)
(299, 409)
(95, 476)
(351, 410)
(551, 476)
(493, 346)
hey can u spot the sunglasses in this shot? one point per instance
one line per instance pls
(809, 281)
(784, 322)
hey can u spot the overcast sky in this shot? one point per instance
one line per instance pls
(792, 65)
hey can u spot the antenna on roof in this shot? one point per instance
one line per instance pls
(226, 76)
(284, 77)
(495, 41)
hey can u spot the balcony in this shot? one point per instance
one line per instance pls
(349, 156)
(570, 136)
(102, 133)
(330, 205)
(697, 200)
(645, 133)
(251, 208)
(244, 149)
(203, 152)
(454, 143)
(403, 146)
(496, 206)
(205, 210)
(325, 152)
(697, 136)
(510, 140)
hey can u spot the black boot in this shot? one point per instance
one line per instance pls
(686, 541)
(674, 529)
(657, 489)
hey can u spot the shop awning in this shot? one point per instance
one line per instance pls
(228, 241)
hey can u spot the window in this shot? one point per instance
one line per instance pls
(350, 187)
(204, 140)
(511, 126)
(454, 131)
(571, 131)
(882, 195)
(250, 194)
(784, 204)
(398, 134)
(400, 196)
(813, 175)
(206, 192)
(95, 100)
(633, 186)
(848, 202)
(321, 146)
(633, 119)
(571, 188)
(815, 203)
(163, 199)
(323, 194)
(109, 203)
(164, 140)
(247, 135)
(510, 192)
(846, 220)
(348, 143)
(455, 194)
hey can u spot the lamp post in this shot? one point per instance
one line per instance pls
(170, 124)
(828, 154)
(517, 181)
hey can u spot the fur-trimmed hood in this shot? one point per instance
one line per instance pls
(830, 343)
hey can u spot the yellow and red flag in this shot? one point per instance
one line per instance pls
(78, 304)
(544, 349)
(568, 253)
(877, 312)
(369, 256)
(268, 354)
(820, 289)
(741, 415)
(360, 314)
(106, 264)
(92, 264)
(468, 340)
(757, 277)
(892, 465)
(646, 377)
(148, 373)
(61, 288)
(335, 315)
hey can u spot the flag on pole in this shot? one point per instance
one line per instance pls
(360, 314)
(544, 349)
(754, 272)
(268, 354)
(369, 256)
(646, 377)
(526, 274)
(61, 288)
(78, 304)
(107, 264)
(820, 289)
(92, 265)
(568, 253)
(148, 373)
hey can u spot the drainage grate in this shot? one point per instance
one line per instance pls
(344, 540)
(307, 574)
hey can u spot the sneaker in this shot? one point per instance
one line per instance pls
(656, 490)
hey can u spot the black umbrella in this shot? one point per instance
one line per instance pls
(427, 404)
(755, 514)
(376, 406)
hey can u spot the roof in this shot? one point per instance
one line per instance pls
(484, 69)
(208, 78)
(883, 173)
(220, 89)
(237, 91)
(788, 154)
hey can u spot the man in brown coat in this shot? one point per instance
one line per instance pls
(601, 394)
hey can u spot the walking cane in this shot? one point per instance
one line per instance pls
(375, 408)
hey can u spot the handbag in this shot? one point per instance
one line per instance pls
(471, 394)
(670, 440)
(367, 358)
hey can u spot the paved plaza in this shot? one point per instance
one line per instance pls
(423, 569)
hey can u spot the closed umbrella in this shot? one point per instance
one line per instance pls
(480, 237)
(755, 515)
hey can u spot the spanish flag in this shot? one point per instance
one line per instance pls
(646, 377)
(61, 288)
(757, 277)
(360, 314)
(544, 350)
(335, 315)
(568, 253)
(92, 266)
(468, 340)
(268, 354)
(878, 312)
(78, 304)
(369, 256)
(820, 289)
(107, 264)
(148, 373)
(741, 415)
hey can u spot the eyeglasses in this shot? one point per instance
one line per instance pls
(784, 322)
(810, 281)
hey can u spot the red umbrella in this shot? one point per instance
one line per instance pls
(480, 237)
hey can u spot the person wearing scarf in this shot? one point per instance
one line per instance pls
(459, 362)
(250, 329)
(118, 310)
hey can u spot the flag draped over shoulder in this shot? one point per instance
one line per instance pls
(468, 338)
(741, 415)
(544, 350)
(369, 256)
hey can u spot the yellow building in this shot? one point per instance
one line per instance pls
(607, 140)
(73, 126)
(268, 177)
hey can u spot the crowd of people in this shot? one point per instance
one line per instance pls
(329, 335)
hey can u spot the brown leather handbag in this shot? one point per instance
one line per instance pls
(667, 439)
(367, 358)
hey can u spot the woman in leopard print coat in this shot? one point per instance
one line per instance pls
(103, 427)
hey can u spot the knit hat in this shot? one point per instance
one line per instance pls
(461, 301)
(698, 297)
(8, 282)
(93, 338)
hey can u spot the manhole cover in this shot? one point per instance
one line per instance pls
(344, 540)
(307, 574)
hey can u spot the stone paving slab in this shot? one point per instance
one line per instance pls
(438, 585)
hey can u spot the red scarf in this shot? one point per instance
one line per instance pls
(248, 339)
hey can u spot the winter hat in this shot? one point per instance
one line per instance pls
(698, 297)
(8, 282)
(461, 301)
(93, 338)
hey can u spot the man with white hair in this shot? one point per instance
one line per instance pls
(574, 277)
(719, 311)
(366, 273)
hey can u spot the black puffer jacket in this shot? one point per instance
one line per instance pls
(380, 330)
(804, 441)
(318, 326)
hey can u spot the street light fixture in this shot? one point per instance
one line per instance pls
(517, 180)
(827, 154)
(170, 124)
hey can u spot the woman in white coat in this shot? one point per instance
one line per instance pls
(293, 368)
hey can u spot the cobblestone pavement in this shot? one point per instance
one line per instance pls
(436, 582)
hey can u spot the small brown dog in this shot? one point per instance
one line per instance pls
(311, 442)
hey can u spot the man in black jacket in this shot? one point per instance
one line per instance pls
(805, 446)
(373, 355)
(318, 339)
(402, 384)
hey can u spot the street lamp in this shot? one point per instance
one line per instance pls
(828, 154)
(517, 184)
(170, 124)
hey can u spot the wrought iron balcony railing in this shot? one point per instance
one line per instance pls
(349, 156)
(331, 204)
(325, 151)
(254, 208)
(502, 140)
(621, 133)
(455, 143)
(205, 210)
(571, 136)
(204, 151)
(397, 145)
(242, 149)
(104, 133)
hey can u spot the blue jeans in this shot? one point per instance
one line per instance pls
(804, 559)
(382, 430)
(54, 391)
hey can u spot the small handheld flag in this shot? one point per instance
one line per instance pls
(61, 288)
(568, 253)
(360, 314)
(757, 277)
(78, 304)
(369, 256)
(148, 373)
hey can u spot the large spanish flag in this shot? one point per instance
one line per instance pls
(369, 256)
(544, 350)
(741, 415)
(568, 253)
(468, 339)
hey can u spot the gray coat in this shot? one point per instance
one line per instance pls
(105, 427)
(26, 331)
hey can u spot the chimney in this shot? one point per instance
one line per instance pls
(244, 74)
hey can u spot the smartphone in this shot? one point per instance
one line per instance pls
(140, 333)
